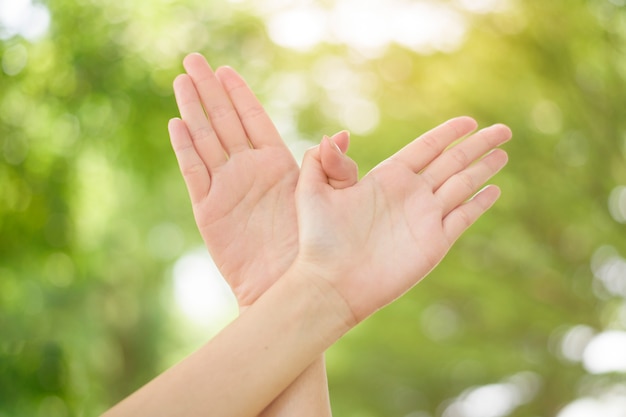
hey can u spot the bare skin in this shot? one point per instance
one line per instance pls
(241, 179)
(359, 244)
(402, 217)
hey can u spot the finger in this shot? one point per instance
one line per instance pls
(312, 174)
(218, 107)
(257, 124)
(194, 170)
(420, 152)
(462, 217)
(204, 138)
(464, 154)
(342, 140)
(341, 171)
(464, 184)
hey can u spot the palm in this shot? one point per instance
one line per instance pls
(377, 238)
(247, 219)
(395, 232)
(240, 177)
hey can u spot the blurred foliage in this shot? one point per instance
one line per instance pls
(93, 212)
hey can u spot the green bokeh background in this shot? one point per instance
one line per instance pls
(94, 214)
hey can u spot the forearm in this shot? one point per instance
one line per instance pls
(251, 361)
(307, 396)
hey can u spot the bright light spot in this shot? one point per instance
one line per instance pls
(617, 204)
(14, 59)
(495, 400)
(299, 148)
(606, 352)
(610, 268)
(440, 322)
(23, 17)
(363, 24)
(483, 6)
(428, 27)
(349, 95)
(574, 342)
(59, 269)
(165, 241)
(360, 116)
(333, 74)
(423, 26)
(291, 91)
(368, 26)
(200, 291)
(298, 28)
(611, 404)
(573, 149)
(547, 117)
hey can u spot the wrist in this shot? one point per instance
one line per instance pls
(321, 296)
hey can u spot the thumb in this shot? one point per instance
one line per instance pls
(341, 171)
(312, 174)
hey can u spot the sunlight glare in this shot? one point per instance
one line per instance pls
(617, 204)
(200, 292)
(495, 400)
(574, 342)
(610, 269)
(24, 18)
(483, 6)
(368, 26)
(605, 353)
(610, 404)
(297, 28)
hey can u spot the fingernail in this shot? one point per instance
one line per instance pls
(334, 145)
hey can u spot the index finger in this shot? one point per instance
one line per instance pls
(423, 150)
(258, 125)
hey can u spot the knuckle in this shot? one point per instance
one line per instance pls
(203, 134)
(252, 112)
(460, 157)
(192, 169)
(220, 111)
(464, 218)
(431, 143)
(467, 181)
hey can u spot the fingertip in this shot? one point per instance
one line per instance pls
(225, 70)
(462, 125)
(175, 121)
(488, 196)
(331, 142)
(341, 140)
(194, 57)
(176, 127)
(504, 129)
(194, 62)
(229, 78)
(179, 80)
(467, 121)
(504, 155)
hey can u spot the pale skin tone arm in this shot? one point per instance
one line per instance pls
(360, 247)
(241, 179)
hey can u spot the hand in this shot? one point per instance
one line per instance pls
(240, 176)
(374, 239)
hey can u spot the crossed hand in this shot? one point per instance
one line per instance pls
(371, 239)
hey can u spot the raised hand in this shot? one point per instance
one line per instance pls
(240, 176)
(374, 239)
